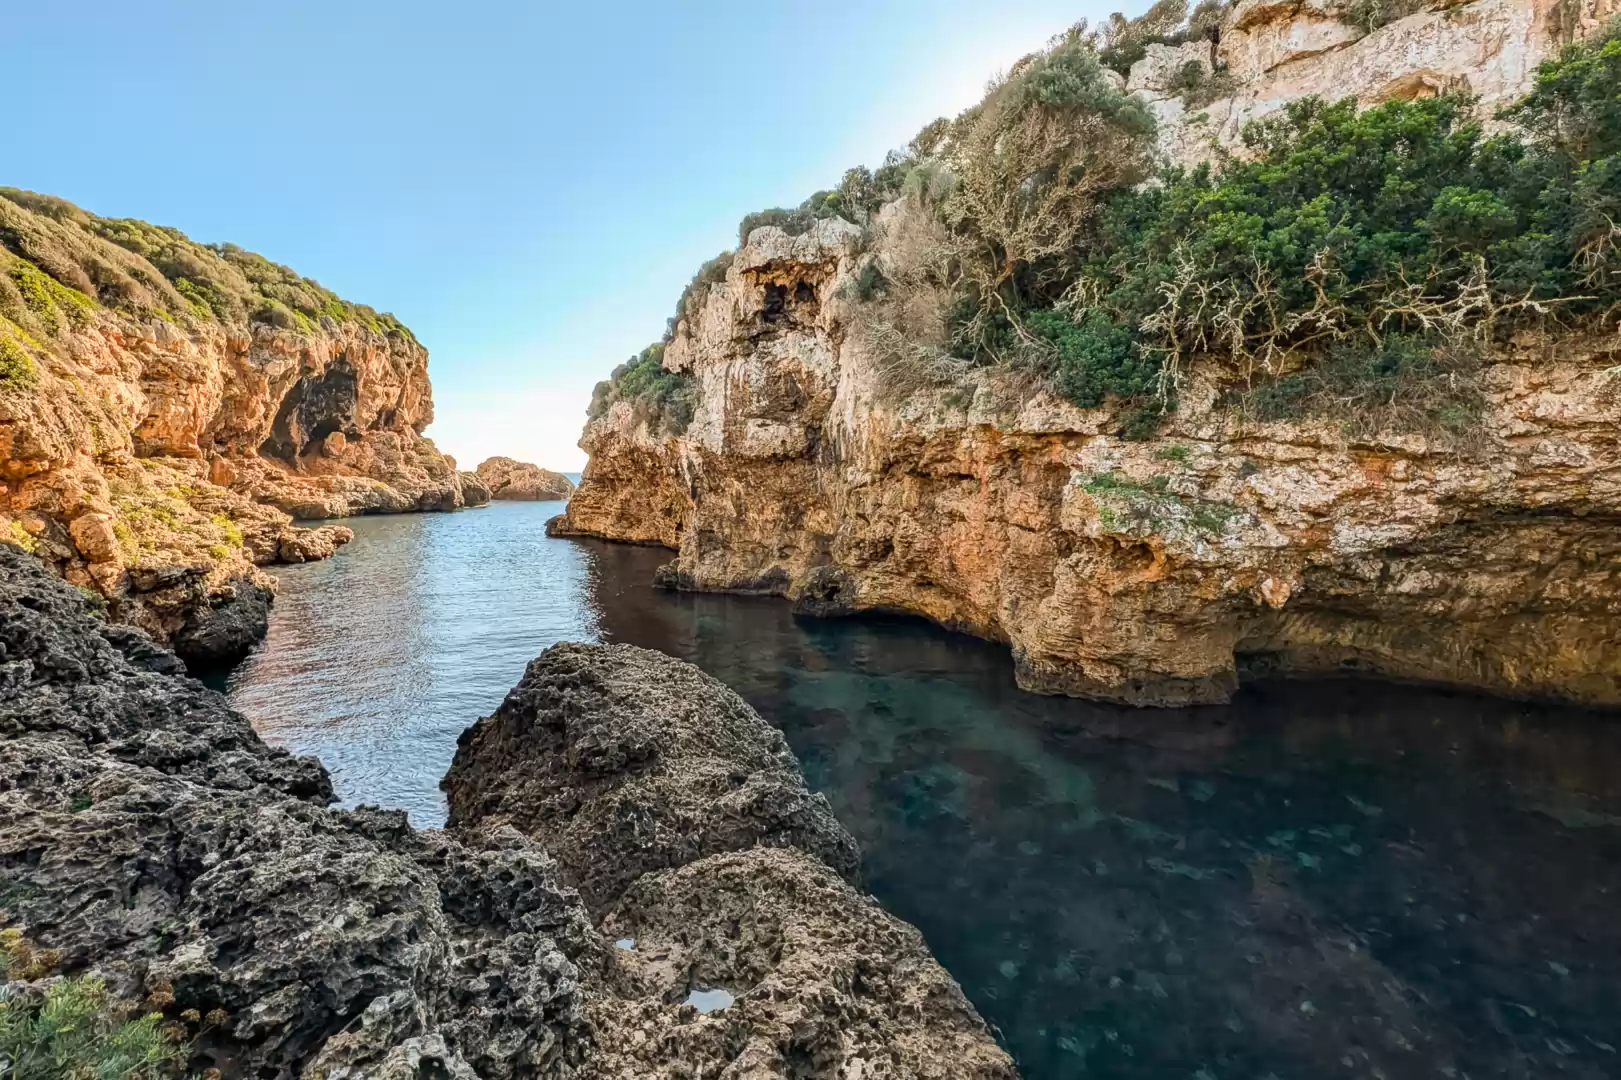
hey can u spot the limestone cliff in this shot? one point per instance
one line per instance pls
(168, 409)
(1149, 572)
(1272, 52)
(519, 481)
(149, 838)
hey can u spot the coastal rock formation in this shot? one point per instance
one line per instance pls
(1149, 571)
(520, 481)
(149, 836)
(167, 410)
(1273, 52)
(146, 832)
(597, 743)
(684, 821)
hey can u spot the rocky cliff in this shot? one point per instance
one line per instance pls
(818, 465)
(1269, 53)
(167, 409)
(149, 837)
(519, 481)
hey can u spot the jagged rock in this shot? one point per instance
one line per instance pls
(823, 982)
(474, 491)
(508, 479)
(623, 760)
(219, 632)
(148, 834)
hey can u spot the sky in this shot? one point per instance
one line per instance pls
(528, 186)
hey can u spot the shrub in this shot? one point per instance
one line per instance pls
(664, 400)
(870, 282)
(1096, 358)
(709, 275)
(75, 1029)
(1384, 225)
(1402, 383)
(792, 222)
(16, 366)
(1370, 15)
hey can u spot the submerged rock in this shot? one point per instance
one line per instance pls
(148, 834)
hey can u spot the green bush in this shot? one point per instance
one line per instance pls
(665, 400)
(1403, 383)
(709, 275)
(75, 1030)
(16, 366)
(1346, 226)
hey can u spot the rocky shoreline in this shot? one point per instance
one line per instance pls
(835, 446)
(629, 844)
(169, 409)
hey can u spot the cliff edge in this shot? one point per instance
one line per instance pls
(1265, 416)
(168, 409)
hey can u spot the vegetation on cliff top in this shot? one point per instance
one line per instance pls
(1352, 264)
(663, 400)
(59, 264)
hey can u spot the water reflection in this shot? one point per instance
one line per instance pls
(1333, 879)
(378, 658)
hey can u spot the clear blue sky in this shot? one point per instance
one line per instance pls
(527, 186)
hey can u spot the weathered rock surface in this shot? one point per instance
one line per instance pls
(823, 982)
(148, 834)
(143, 434)
(684, 821)
(1222, 545)
(519, 481)
(624, 761)
(1278, 51)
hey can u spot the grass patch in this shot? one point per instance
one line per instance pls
(1149, 506)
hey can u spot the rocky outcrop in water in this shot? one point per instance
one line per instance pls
(684, 821)
(818, 467)
(150, 836)
(519, 481)
(167, 409)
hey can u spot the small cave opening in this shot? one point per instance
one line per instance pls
(776, 303)
(314, 408)
(788, 302)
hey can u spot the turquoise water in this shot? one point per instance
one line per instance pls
(1324, 879)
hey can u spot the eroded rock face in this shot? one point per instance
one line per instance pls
(1279, 51)
(149, 835)
(1145, 572)
(147, 832)
(181, 447)
(623, 761)
(520, 481)
(684, 821)
(823, 983)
